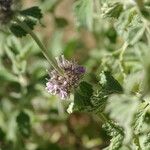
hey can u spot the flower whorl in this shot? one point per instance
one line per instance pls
(63, 84)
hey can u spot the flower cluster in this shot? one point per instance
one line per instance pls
(63, 84)
(5, 10)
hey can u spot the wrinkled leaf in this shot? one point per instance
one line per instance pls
(23, 121)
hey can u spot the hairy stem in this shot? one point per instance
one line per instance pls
(25, 27)
(121, 64)
(137, 142)
(103, 118)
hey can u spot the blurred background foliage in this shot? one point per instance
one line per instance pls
(101, 35)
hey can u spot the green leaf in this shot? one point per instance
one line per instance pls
(82, 95)
(34, 12)
(61, 22)
(109, 83)
(117, 134)
(86, 99)
(18, 31)
(31, 16)
(71, 47)
(23, 121)
(80, 100)
(2, 135)
(84, 13)
(5, 75)
(136, 141)
(119, 106)
(129, 26)
(139, 117)
(146, 13)
(86, 89)
(147, 142)
(112, 34)
(99, 101)
(135, 34)
(113, 10)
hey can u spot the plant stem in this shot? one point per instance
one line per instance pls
(137, 142)
(25, 27)
(103, 117)
(124, 47)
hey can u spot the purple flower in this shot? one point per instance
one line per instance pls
(62, 85)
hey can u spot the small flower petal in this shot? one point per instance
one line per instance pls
(62, 85)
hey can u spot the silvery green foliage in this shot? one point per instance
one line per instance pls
(117, 134)
(139, 117)
(95, 102)
(138, 123)
(83, 10)
(86, 99)
(115, 88)
(112, 11)
(147, 142)
(125, 104)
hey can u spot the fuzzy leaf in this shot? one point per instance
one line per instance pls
(130, 27)
(135, 34)
(5, 75)
(109, 83)
(23, 122)
(18, 31)
(86, 89)
(99, 101)
(146, 13)
(113, 10)
(81, 98)
(61, 22)
(147, 142)
(2, 135)
(34, 12)
(84, 13)
(139, 118)
(117, 134)
(31, 17)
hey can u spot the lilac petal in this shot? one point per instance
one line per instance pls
(80, 69)
(63, 94)
(62, 85)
